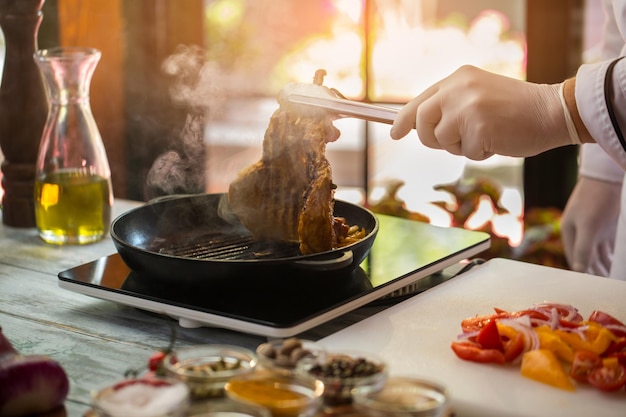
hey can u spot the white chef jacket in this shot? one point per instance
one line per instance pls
(606, 160)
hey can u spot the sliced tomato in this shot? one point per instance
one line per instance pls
(569, 324)
(514, 347)
(616, 346)
(608, 377)
(584, 362)
(566, 312)
(617, 327)
(619, 356)
(475, 353)
(603, 318)
(530, 312)
(473, 324)
(489, 337)
(499, 311)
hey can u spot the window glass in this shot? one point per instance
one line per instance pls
(384, 51)
(381, 50)
(416, 43)
(265, 44)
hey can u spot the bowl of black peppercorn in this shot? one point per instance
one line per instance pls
(342, 371)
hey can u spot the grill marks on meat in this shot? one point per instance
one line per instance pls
(315, 225)
(288, 194)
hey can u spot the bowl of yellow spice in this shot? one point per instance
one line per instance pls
(284, 396)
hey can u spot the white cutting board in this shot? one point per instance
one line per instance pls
(414, 337)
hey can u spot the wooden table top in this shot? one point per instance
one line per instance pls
(94, 340)
(97, 341)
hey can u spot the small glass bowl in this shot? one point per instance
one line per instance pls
(283, 396)
(145, 397)
(341, 372)
(225, 407)
(206, 368)
(402, 396)
(282, 355)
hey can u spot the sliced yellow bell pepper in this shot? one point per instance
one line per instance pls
(603, 339)
(551, 341)
(597, 338)
(542, 365)
(506, 331)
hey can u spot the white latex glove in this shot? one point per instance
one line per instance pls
(476, 113)
(588, 225)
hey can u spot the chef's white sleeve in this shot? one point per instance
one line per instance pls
(593, 110)
(595, 163)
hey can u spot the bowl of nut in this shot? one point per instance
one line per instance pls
(282, 355)
(341, 372)
(206, 368)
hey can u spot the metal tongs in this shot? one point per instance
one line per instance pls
(343, 107)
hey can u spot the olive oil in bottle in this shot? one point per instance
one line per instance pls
(73, 195)
(72, 207)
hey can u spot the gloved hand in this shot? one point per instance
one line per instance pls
(588, 225)
(476, 113)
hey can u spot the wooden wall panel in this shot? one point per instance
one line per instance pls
(153, 122)
(554, 38)
(99, 24)
(129, 93)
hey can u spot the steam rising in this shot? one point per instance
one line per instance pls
(199, 86)
(181, 172)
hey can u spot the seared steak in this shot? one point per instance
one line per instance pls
(288, 194)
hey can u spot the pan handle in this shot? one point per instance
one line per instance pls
(328, 264)
(168, 197)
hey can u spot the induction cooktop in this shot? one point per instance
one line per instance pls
(404, 253)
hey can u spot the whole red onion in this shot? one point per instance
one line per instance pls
(29, 384)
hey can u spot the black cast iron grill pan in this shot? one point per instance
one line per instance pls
(225, 246)
(197, 237)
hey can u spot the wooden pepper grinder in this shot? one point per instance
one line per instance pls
(23, 109)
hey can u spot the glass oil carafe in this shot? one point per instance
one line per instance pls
(73, 193)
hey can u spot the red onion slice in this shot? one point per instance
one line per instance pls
(524, 326)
